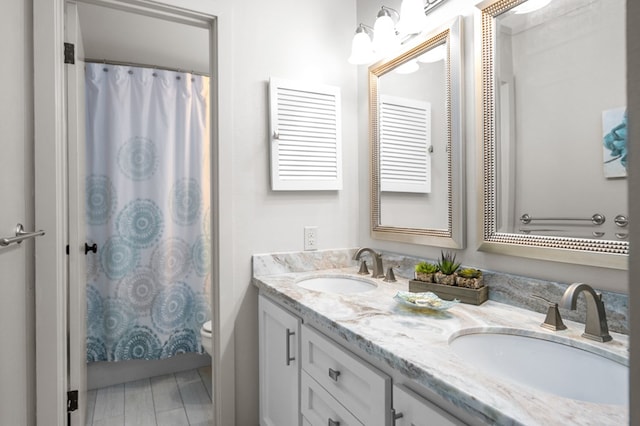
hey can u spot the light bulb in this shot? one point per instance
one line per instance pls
(361, 48)
(412, 17)
(384, 34)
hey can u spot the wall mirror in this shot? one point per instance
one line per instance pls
(553, 108)
(415, 131)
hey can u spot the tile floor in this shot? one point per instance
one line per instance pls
(180, 399)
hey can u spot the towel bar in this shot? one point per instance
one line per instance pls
(596, 219)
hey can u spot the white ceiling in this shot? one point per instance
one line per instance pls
(116, 35)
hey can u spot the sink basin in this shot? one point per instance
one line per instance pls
(546, 365)
(340, 285)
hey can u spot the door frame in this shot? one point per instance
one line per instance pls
(51, 213)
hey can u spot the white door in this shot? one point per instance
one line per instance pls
(17, 394)
(77, 378)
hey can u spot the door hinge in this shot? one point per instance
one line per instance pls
(69, 53)
(72, 400)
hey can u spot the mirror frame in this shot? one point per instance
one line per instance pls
(454, 235)
(585, 251)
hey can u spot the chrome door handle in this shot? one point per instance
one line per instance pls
(20, 236)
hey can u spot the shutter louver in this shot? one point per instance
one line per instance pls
(305, 136)
(405, 139)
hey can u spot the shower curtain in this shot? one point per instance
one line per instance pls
(148, 210)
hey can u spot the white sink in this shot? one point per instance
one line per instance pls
(548, 366)
(340, 285)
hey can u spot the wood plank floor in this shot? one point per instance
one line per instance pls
(180, 399)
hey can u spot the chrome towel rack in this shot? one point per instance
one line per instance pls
(20, 236)
(596, 219)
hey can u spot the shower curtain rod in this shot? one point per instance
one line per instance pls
(134, 64)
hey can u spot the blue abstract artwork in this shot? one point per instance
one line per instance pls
(614, 142)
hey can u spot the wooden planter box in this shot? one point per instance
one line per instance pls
(471, 296)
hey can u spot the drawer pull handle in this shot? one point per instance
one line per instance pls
(396, 416)
(333, 422)
(288, 351)
(334, 374)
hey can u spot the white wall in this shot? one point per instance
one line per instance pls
(607, 279)
(308, 41)
(17, 314)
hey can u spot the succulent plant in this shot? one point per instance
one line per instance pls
(426, 268)
(447, 263)
(469, 273)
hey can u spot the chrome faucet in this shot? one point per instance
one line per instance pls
(596, 322)
(378, 270)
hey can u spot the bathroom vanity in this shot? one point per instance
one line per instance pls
(328, 356)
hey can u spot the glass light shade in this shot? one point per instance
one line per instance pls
(530, 6)
(436, 54)
(384, 35)
(408, 67)
(412, 17)
(361, 49)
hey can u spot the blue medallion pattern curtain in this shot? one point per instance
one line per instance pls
(148, 210)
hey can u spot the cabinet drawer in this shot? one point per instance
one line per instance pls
(362, 389)
(417, 411)
(321, 409)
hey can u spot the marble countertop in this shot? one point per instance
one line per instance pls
(416, 344)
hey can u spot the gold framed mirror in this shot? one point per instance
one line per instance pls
(553, 95)
(416, 142)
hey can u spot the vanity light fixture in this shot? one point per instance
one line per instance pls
(361, 46)
(391, 29)
(530, 6)
(385, 37)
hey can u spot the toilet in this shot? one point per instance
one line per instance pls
(205, 333)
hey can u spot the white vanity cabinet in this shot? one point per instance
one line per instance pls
(308, 379)
(339, 388)
(279, 365)
(411, 409)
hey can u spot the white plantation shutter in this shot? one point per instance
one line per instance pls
(405, 138)
(306, 135)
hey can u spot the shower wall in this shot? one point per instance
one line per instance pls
(144, 40)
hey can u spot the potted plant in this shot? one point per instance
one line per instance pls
(469, 277)
(447, 267)
(425, 271)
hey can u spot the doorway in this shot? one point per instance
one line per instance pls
(52, 186)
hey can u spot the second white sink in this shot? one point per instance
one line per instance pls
(549, 366)
(338, 284)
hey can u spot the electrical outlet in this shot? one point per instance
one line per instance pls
(311, 238)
